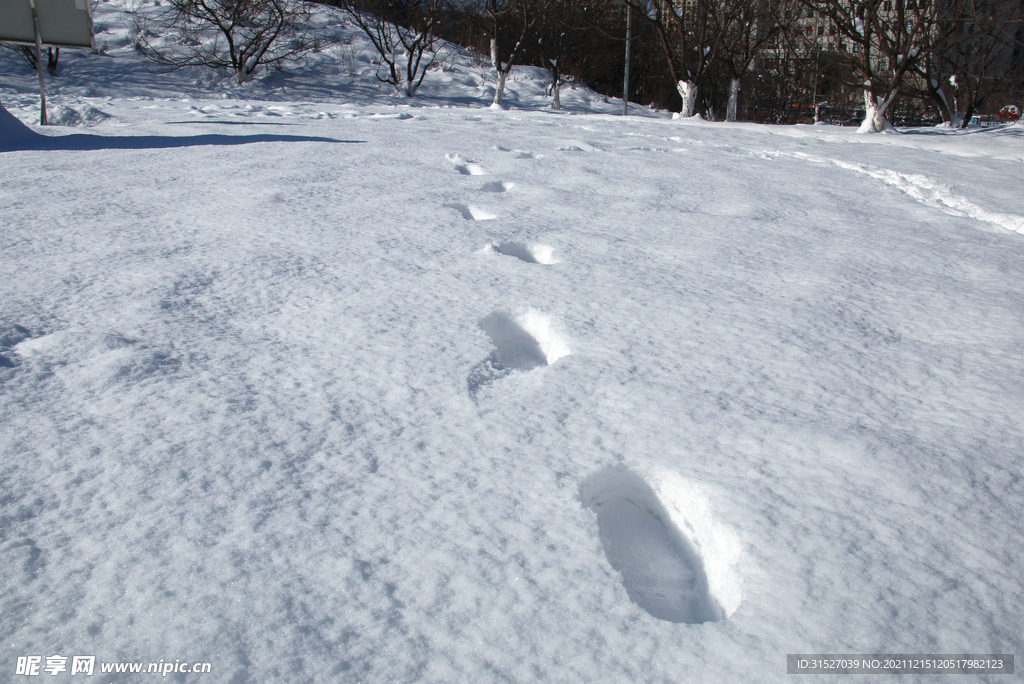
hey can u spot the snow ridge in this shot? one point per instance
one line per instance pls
(922, 189)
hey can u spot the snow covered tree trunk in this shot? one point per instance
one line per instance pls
(688, 91)
(499, 88)
(734, 96)
(956, 120)
(556, 101)
(874, 113)
(401, 83)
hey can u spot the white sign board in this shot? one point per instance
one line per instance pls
(62, 23)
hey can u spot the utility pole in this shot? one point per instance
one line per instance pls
(629, 32)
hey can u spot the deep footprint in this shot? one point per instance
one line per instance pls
(661, 570)
(520, 344)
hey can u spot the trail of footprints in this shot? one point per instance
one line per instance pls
(522, 341)
(661, 566)
(467, 167)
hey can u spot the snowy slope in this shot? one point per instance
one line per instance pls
(314, 384)
(343, 72)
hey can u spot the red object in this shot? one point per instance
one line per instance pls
(1009, 113)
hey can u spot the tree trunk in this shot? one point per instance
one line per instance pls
(246, 68)
(556, 101)
(734, 97)
(499, 89)
(688, 91)
(968, 115)
(874, 113)
(499, 73)
(51, 60)
(402, 85)
(941, 102)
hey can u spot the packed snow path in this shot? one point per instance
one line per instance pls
(279, 406)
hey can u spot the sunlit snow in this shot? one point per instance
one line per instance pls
(316, 384)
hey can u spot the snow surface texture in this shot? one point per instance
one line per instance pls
(696, 396)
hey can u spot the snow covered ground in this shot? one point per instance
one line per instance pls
(314, 384)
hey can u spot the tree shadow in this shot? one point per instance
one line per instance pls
(86, 142)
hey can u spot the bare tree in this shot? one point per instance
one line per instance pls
(746, 27)
(570, 40)
(505, 24)
(241, 35)
(689, 40)
(974, 58)
(508, 23)
(404, 33)
(883, 43)
(556, 38)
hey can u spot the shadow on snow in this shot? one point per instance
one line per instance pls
(85, 142)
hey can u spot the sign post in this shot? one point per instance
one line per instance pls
(39, 64)
(54, 23)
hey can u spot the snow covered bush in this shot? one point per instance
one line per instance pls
(240, 35)
(403, 34)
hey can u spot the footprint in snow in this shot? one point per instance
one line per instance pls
(521, 343)
(497, 186)
(578, 146)
(520, 154)
(530, 253)
(465, 166)
(662, 571)
(471, 213)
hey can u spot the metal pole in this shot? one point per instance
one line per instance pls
(39, 65)
(625, 78)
